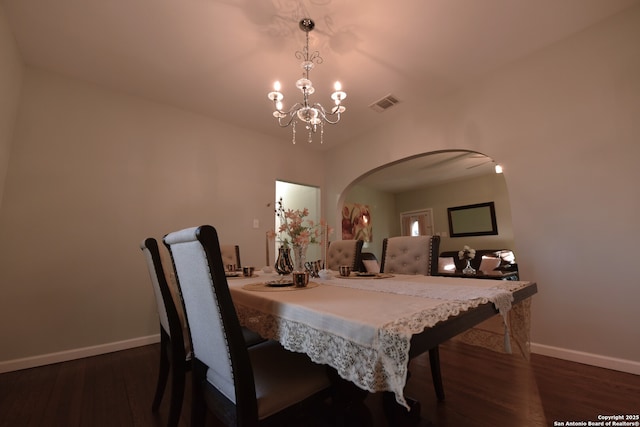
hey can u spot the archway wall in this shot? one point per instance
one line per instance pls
(563, 122)
(386, 208)
(478, 189)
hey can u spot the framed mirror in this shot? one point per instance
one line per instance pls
(472, 220)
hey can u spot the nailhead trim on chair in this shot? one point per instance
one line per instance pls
(410, 255)
(344, 252)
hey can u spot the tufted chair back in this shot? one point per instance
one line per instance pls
(231, 255)
(415, 255)
(344, 252)
(208, 306)
(410, 255)
(241, 385)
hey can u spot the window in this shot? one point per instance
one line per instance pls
(417, 223)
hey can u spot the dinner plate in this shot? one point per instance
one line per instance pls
(233, 274)
(279, 284)
(365, 274)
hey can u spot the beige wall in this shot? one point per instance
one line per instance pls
(564, 123)
(386, 208)
(92, 173)
(10, 83)
(486, 188)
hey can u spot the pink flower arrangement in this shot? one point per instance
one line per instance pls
(295, 230)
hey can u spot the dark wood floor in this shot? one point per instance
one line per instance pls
(483, 389)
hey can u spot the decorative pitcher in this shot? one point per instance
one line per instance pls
(283, 262)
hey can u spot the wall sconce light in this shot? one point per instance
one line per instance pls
(498, 168)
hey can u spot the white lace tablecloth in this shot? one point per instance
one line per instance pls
(363, 328)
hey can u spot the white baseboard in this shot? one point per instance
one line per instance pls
(607, 362)
(599, 360)
(78, 353)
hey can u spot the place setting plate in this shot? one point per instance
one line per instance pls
(278, 286)
(364, 275)
(279, 283)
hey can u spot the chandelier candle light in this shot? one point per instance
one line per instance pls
(312, 115)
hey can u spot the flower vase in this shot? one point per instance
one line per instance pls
(299, 257)
(468, 270)
(283, 262)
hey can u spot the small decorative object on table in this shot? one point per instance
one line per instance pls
(283, 262)
(267, 268)
(345, 270)
(300, 278)
(313, 267)
(325, 274)
(299, 257)
(467, 254)
(296, 233)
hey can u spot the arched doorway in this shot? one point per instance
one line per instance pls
(431, 182)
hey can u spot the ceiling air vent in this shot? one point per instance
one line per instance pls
(384, 103)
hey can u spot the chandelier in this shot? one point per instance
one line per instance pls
(313, 116)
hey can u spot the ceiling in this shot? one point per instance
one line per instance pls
(219, 58)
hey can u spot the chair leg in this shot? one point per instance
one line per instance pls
(163, 371)
(198, 404)
(178, 373)
(434, 361)
(397, 415)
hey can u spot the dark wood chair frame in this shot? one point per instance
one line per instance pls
(357, 259)
(244, 412)
(173, 357)
(366, 256)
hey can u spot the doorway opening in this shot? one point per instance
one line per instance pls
(299, 196)
(417, 223)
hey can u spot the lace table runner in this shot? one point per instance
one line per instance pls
(374, 361)
(421, 286)
(380, 366)
(454, 289)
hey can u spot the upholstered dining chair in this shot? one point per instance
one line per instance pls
(231, 255)
(415, 255)
(410, 255)
(174, 357)
(369, 263)
(242, 386)
(344, 252)
(175, 350)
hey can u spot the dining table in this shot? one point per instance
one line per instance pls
(367, 327)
